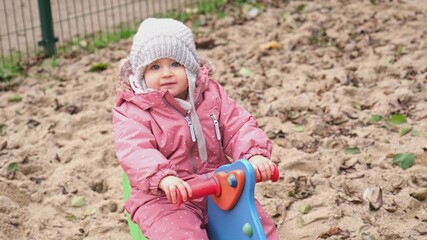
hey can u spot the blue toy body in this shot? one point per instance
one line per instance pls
(243, 218)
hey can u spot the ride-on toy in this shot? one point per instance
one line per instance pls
(231, 204)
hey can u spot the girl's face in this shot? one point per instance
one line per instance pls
(167, 74)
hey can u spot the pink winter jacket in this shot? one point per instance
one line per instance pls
(152, 136)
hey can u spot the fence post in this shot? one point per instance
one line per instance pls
(46, 23)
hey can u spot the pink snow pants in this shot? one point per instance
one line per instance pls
(161, 220)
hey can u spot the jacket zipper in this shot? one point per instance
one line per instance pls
(191, 127)
(193, 139)
(218, 134)
(192, 134)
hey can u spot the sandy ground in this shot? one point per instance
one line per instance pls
(312, 72)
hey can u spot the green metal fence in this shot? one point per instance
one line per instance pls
(32, 27)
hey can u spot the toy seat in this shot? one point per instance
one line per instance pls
(135, 231)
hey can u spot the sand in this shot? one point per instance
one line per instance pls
(312, 72)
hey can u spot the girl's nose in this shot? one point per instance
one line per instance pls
(166, 72)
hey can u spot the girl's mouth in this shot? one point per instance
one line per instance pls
(167, 84)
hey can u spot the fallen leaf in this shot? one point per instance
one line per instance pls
(32, 123)
(415, 133)
(305, 208)
(2, 129)
(349, 163)
(90, 211)
(346, 189)
(12, 167)
(375, 203)
(78, 201)
(375, 118)
(270, 45)
(420, 194)
(331, 232)
(352, 150)
(339, 120)
(14, 99)
(3, 145)
(205, 43)
(396, 119)
(72, 109)
(391, 207)
(252, 13)
(421, 228)
(280, 215)
(404, 160)
(300, 222)
(405, 130)
(246, 72)
(297, 128)
(73, 218)
(302, 187)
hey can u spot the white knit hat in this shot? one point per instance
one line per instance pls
(162, 38)
(158, 38)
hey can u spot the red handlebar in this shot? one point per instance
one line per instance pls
(274, 176)
(213, 187)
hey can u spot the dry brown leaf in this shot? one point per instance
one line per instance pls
(355, 175)
(280, 214)
(375, 198)
(335, 231)
(346, 189)
(420, 194)
(205, 43)
(348, 163)
(421, 228)
(3, 145)
(270, 45)
(391, 207)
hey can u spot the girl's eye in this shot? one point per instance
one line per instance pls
(155, 67)
(176, 64)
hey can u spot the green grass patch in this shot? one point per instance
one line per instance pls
(98, 67)
(10, 69)
(180, 16)
(14, 99)
(92, 43)
(217, 6)
(3, 129)
(352, 150)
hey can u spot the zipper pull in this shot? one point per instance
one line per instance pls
(191, 127)
(216, 124)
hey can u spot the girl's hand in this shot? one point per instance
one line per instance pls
(170, 184)
(262, 165)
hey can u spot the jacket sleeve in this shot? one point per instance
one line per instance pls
(136, 150)
(242, 137)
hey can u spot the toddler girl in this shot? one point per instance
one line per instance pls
(173, 124)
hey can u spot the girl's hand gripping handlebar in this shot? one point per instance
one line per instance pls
(213, 186)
